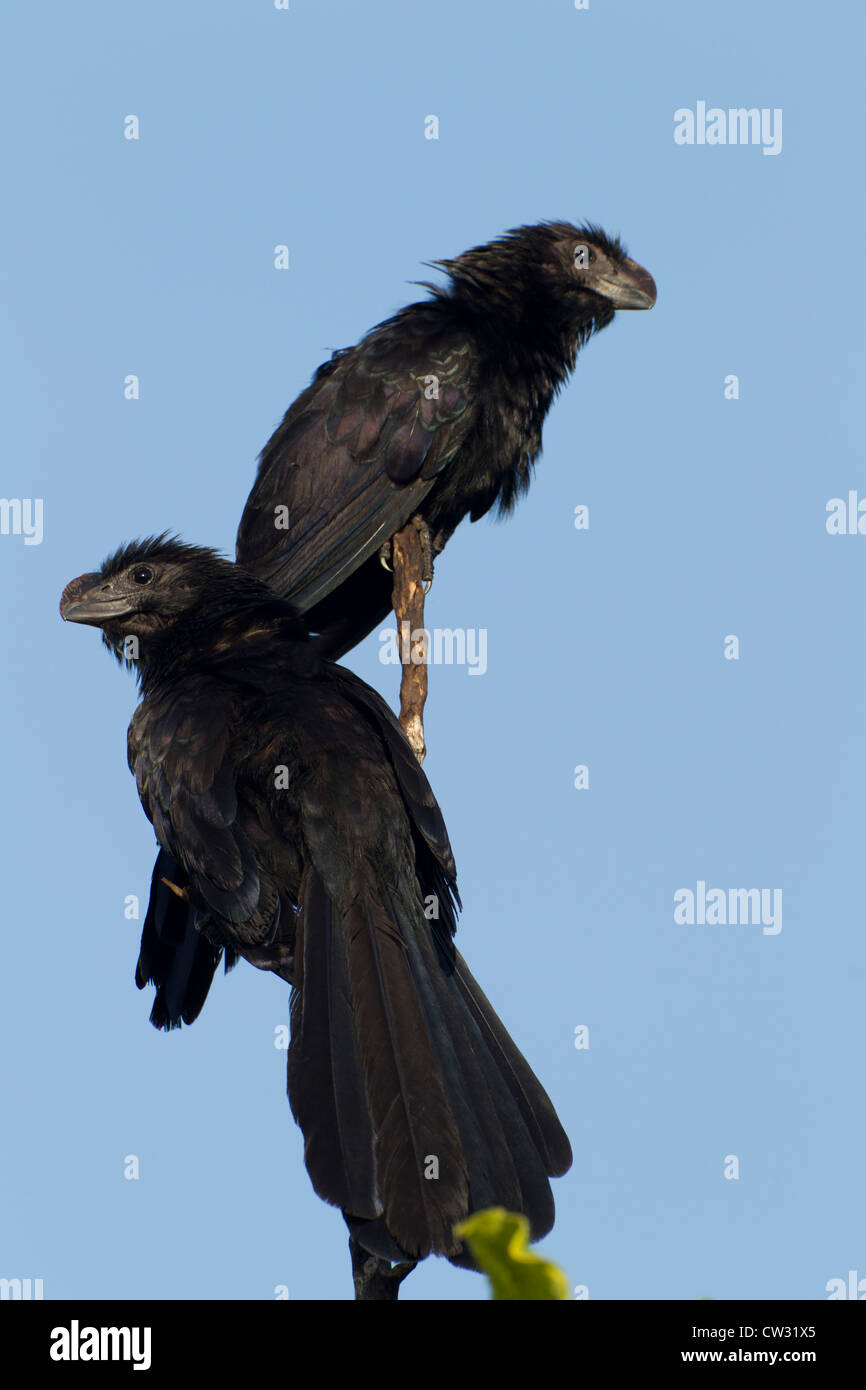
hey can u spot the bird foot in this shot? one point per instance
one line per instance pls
(280, 958)
(427, 549)
(181, 893)
(377, 1281)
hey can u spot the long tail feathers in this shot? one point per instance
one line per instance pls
(326, 1078)
(420, 1167)
(416, 1106)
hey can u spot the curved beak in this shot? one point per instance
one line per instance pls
(84, 601)
(630, 287)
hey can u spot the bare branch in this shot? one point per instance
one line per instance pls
(410, 566)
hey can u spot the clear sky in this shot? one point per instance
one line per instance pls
(606, 647)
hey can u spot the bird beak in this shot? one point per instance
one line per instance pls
(84, 601)
(631, 287)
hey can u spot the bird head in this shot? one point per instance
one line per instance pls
(584, 262)
(148, 589)
(554, 271)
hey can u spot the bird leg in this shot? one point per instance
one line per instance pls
(376, 1280)
(429, 548)
(413, 561)
(426, 551)
(279, 957)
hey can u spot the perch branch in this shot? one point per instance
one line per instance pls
(376, 1281)
(408, 558)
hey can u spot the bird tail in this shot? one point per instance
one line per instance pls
(176, 955)
(416, 1106)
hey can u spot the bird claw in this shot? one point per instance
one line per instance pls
(182, 893)
(386, 553)
(426, 551)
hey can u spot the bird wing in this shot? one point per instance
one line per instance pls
(356, 453)
(176, 955)
(436, 869)
(178, 751)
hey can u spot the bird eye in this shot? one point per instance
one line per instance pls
(142, 574)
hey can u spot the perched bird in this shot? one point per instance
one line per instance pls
(434, 416)
(298, 831)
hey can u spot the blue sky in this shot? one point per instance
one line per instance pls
(155, 257)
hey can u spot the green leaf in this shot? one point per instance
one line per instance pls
(499, 1241)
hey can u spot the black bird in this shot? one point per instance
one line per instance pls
(302, 835)
(435, 415)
